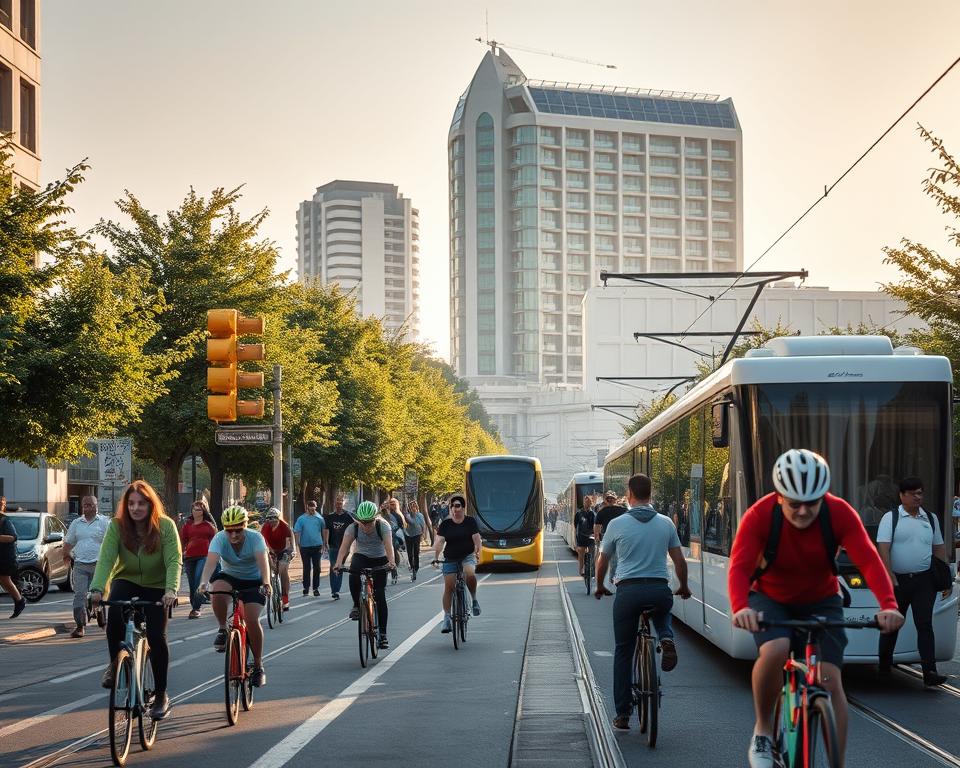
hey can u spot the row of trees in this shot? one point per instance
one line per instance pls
(104, 333)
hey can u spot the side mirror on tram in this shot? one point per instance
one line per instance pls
(721, 424)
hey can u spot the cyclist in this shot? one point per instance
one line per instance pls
(374, 548)
(243, 557)
(799, 583)
(458, 536)
(141, 553)
(641, 540)
(279, 540)
(583, 527)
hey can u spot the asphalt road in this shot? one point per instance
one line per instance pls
(421, 703)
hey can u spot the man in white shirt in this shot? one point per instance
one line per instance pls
(81, 549)
(906, 549)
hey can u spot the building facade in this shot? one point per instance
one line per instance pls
(550, 183)
(20, 87)
(364, 236)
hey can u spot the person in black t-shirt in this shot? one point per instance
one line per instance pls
(609, 511)
(335, 525)
(458, 537)
(8, 560)
(583, 528)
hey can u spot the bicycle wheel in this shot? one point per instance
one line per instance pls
(278, 598)
(587, 570)
(101, 617)
(822, 734)
(651, 691)
(232, 676)
(146, 725)
(373, 633)
(464, 615)
(246, 688)
(455, 617)
(121, 715)
(362, 620)
(271, 619)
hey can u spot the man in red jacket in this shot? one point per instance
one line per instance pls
(800, 583)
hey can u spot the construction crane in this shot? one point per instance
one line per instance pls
(495, 43)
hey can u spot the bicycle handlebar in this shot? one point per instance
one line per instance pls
(135, 602)
(371, 569)
(819, 622)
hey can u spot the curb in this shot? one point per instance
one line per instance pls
(37, 634)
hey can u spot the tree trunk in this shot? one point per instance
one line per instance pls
(171, 481)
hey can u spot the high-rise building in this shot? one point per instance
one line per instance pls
(364, 236)
(550, 183)
(20, 86)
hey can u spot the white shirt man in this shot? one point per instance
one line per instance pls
(80, 550)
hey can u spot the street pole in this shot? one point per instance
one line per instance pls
(290, 481)
(277, 494)
(193, 477)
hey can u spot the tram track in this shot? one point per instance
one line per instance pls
(903, 733)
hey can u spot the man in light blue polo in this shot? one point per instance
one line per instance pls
(641, 540)
(309, 532)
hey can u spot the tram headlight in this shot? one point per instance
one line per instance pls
(527, 540)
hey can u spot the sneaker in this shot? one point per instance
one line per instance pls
(286, 601)
(476, 608)
(286, 606)
(447, 625)
(258, 677)
(383, 644)
(354, 614)
(933, 678)
(760, 754)
(669, 659)
(335, 596)
(413, 576)
(621, 722)
(107, 680)
(194, 614)
(306, 592)
(18, 606)
(78, 632)
(161, 706)
(220, 641)
(316, 593)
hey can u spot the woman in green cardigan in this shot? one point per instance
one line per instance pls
(141, 552)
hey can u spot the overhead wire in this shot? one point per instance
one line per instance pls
(826, 191)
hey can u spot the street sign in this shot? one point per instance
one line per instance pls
(114, 460)
(252, 435)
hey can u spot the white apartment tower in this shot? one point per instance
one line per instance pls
(20, 86)
(364, 236)
(550, 183)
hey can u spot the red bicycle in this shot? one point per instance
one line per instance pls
(238, 661)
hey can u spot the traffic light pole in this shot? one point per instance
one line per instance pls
(276, 497)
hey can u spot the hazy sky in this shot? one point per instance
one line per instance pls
(287, 95)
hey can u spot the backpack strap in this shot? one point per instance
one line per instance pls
(773, 541)
(829, 540)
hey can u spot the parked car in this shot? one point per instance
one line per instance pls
(40, 553)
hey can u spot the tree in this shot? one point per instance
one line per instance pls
(72, 334)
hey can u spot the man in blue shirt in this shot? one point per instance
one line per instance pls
(309, 532)
(641, 540)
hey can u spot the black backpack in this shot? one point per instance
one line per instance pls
(776, 527)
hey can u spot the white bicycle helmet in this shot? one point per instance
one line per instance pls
(801, 475)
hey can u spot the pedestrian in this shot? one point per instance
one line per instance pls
(195, 536)
(81, 548)
(413, 535)
(141, 551)
(908, 539)
(8, 560)
(309, 532)
(610, 510)
(391, 513)
(336, 524)
(956, 514)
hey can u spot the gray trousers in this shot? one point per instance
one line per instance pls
(82, 576)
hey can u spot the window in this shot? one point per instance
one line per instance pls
(28, 22)
(633, 183)
(577, 200)
(665, 145)
(576, 221)
(549, 157)
(576, 159)
(604, 161)
(632, 224)
(550, 178)
(549, 136)
(665, 227)
(6, 13)
(606, 243)
(723, 150)
(576, 282)
(605, 140)
(605, 203)
(606, 181)
(525, 134)
(6, 99)
(576, 138)
(549, 198)
(576, 242)
(28, 116)
(633, 204)
(696, 147)
(632, 142)
(605, 223)
(577, 180)
(633, 244)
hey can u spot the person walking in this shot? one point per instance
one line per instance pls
(414, 526)
(8, 560)
(141, 551)
(195, 536)
(81, 548)
(336, 524)
(309, 533)
(908, 539)
(391, 513)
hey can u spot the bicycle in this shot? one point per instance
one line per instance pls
(646, 688)
(133, 691)
(368, 628)
(588, 566)
(275, 602)
(805, 729)
(238, 661)
(459, 614)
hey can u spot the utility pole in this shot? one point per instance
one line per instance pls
(290, 510)
(277, 494)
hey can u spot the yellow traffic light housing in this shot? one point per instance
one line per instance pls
(224, 351)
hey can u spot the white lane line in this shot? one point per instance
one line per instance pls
(299, 616)
(30, 722)
(283, 752)
(602, 653)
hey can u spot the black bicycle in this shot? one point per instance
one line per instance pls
(368, 625)
(646, 688)
(459, 613)
(275, 601)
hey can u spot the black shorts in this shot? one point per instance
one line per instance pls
(8, 567)
(584, 541)
(832, 640)
(249, 589)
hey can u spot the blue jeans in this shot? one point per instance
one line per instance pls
(627, 604)
(194, 568)
(336, 579)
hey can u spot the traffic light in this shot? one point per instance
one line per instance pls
(223, 350)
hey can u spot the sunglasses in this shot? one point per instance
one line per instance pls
(457, 505)
(795, 505)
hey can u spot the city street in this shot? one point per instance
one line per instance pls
(421, 702)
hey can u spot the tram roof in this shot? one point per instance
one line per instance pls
(504, 457)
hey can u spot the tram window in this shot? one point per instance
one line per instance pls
(665, 496)
(690, 507)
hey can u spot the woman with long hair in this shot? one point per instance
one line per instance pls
(141, 550)
(195, 537)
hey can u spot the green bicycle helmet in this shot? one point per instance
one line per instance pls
(366, 511)
(233, 516)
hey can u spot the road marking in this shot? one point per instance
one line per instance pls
(299, 616)
(42, 718)
(283, 752)
(36, 634)
(602, 653)
(509, 651)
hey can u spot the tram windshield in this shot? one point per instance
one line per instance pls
(501, 493)
(873, 434)
(586, 489)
